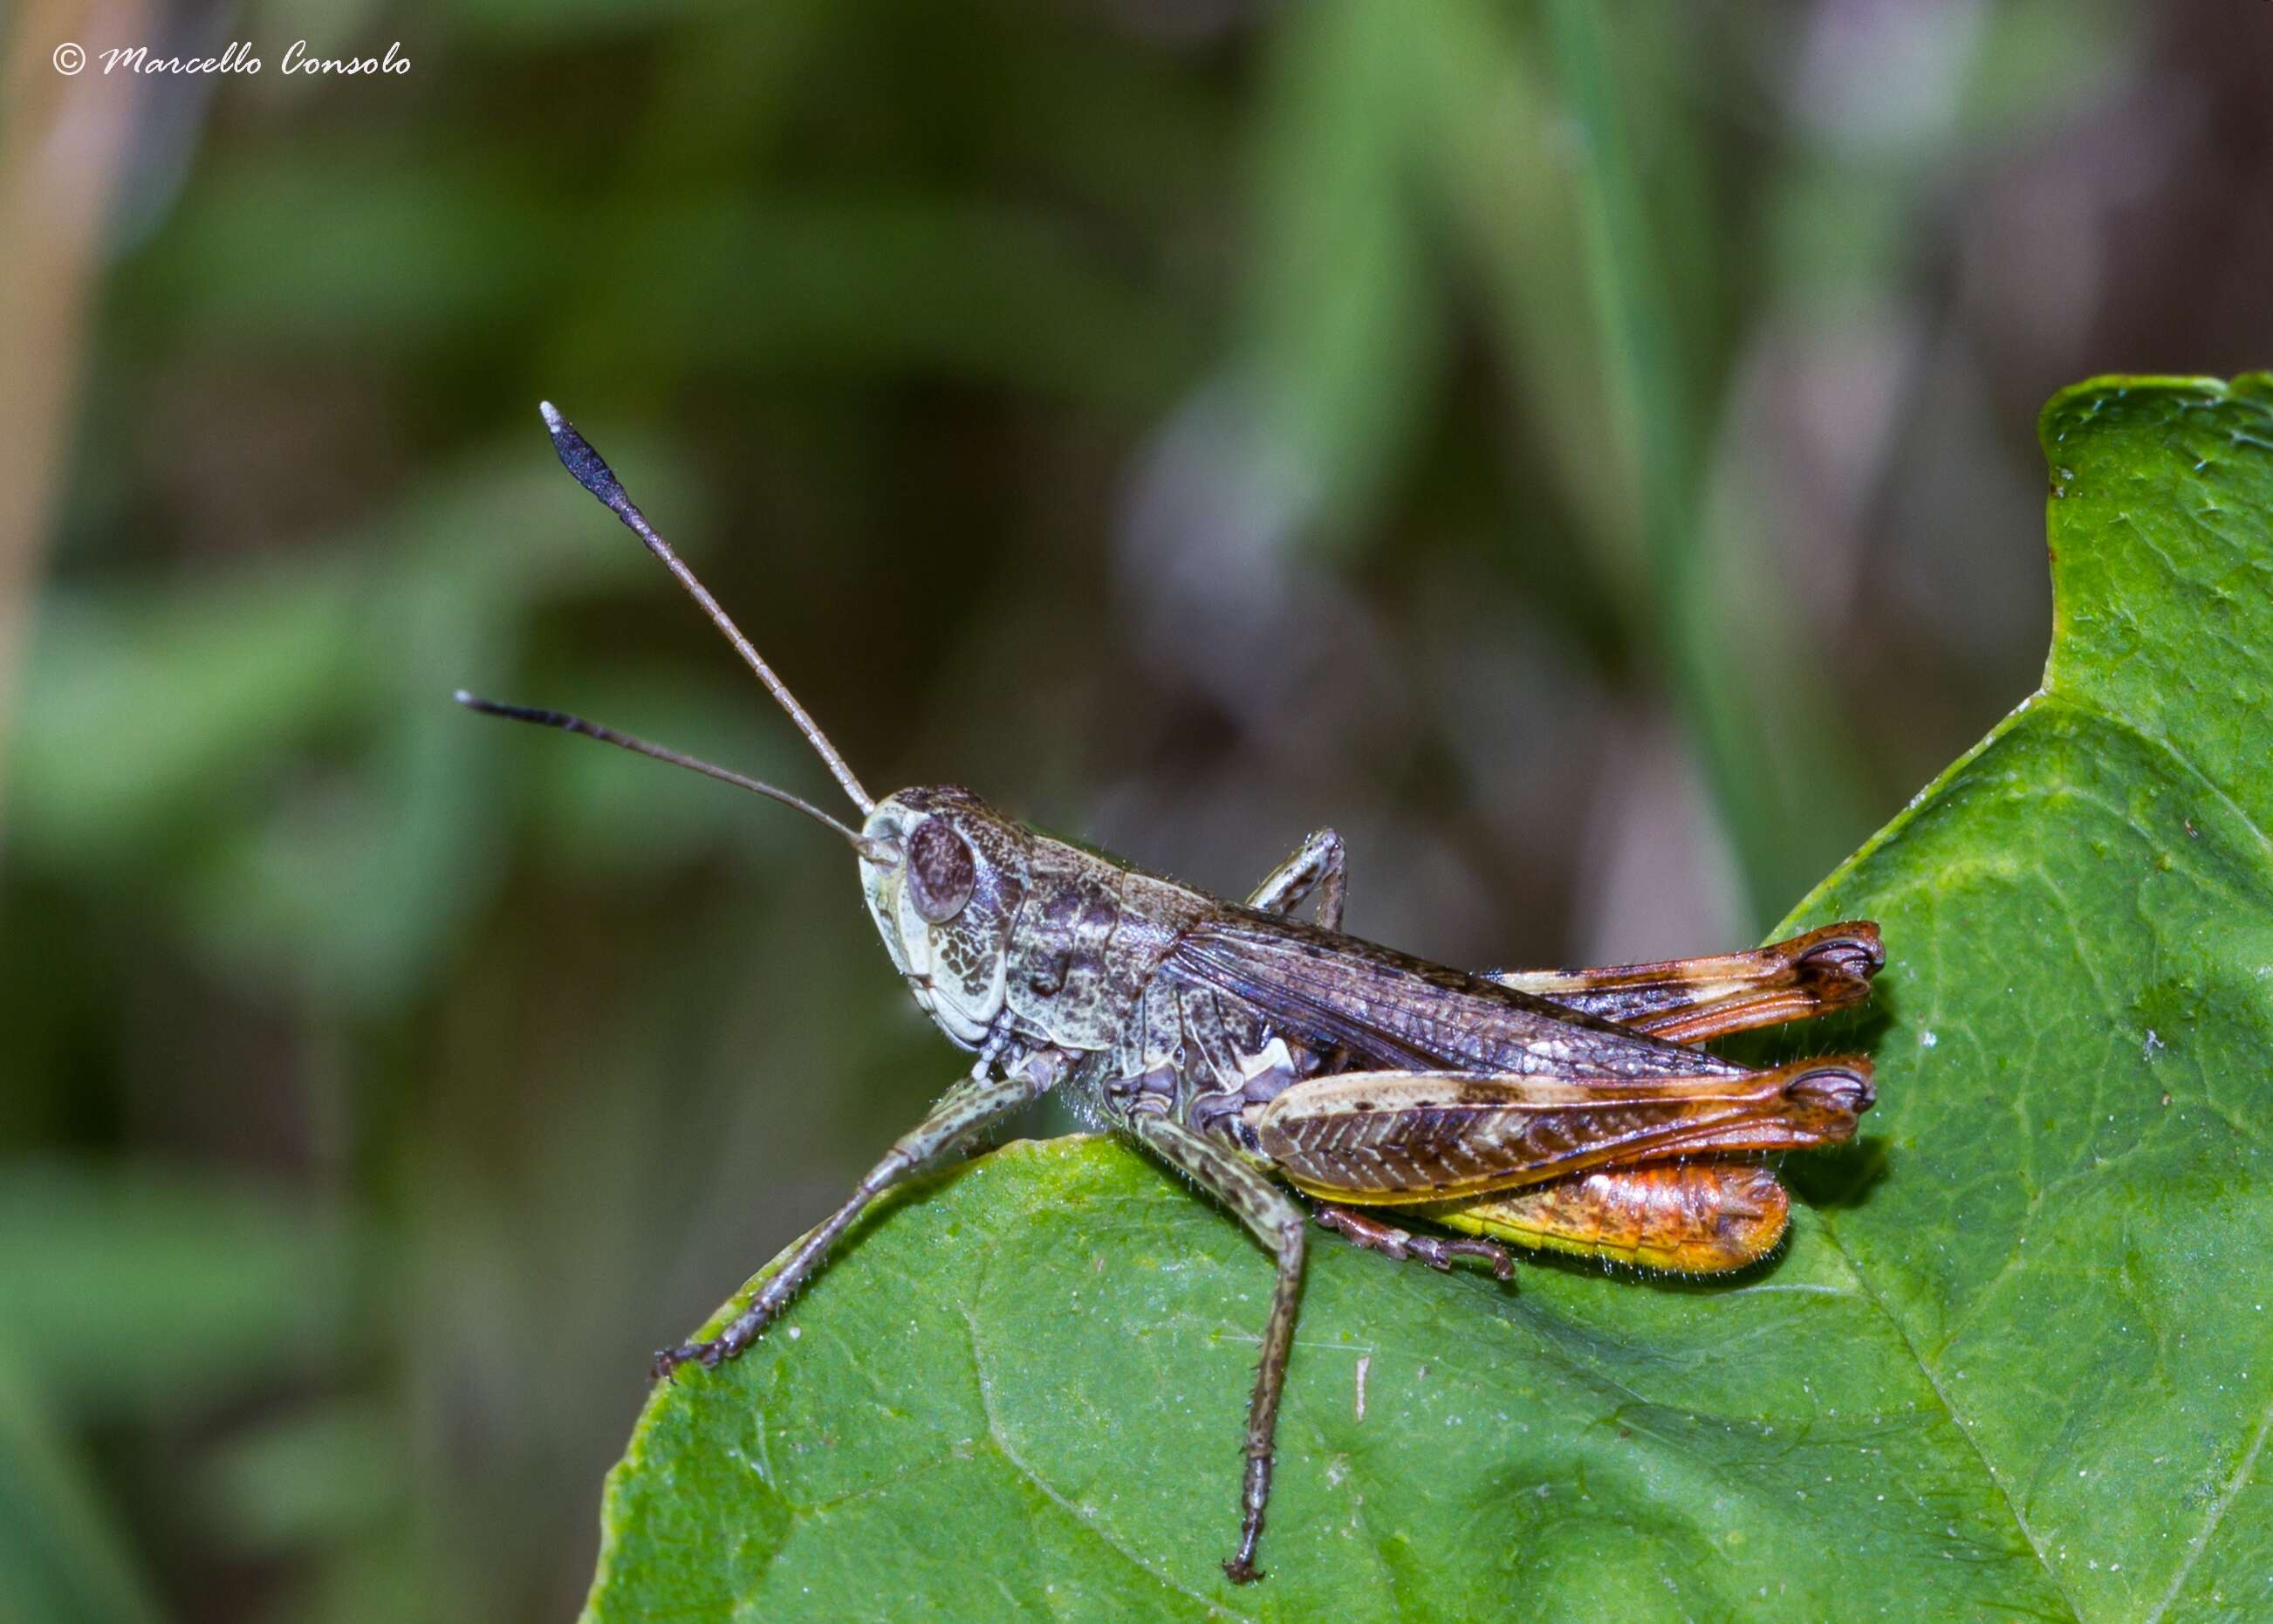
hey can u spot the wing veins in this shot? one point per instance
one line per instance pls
(1394, 1010)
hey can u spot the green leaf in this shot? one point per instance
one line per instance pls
(2013, 1360)
(2075, 1083)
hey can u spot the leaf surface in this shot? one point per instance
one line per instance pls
(2014, 1361)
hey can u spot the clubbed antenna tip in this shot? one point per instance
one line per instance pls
(577, 457)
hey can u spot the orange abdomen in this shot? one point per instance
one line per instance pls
(1693, 1217)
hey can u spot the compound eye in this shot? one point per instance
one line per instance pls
(940, 871)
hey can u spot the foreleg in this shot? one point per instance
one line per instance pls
(1277, 1222)
(1318, 864)
(963, 1111)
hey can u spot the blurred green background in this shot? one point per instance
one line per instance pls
(1587, 455)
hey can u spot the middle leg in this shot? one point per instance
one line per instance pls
(1318, 864)
(1274, 1219)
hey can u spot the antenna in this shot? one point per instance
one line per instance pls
(867, 848)
(594, 474)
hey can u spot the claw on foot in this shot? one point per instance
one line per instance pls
(1501, 1262)
(667, 1360)
(1240, 1570)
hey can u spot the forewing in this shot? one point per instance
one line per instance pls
(1393, 1011)
(1406, 1137)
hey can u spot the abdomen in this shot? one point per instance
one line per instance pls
(1692, 1217)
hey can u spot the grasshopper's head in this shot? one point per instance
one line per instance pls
(944, 874)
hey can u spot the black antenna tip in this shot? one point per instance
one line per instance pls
(490, 707)
(590, 470)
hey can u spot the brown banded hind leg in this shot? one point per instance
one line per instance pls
(1274, 1219)
(1691, 1000)
(961, 1112)
(1366, 1230)
(1318, 864)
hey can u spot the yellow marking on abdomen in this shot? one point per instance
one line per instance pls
(1693, 1218)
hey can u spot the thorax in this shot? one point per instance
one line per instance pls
(1088, 938)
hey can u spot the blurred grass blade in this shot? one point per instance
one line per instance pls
(1769, 761)
(63, 1560)
(1343, 325)
(132, 1290)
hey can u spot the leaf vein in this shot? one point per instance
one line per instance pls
(1957, 1421)
(2161, 742)
(1018, 1463)
(2233, 1487)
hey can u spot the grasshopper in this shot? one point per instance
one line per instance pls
(1571, 1109)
